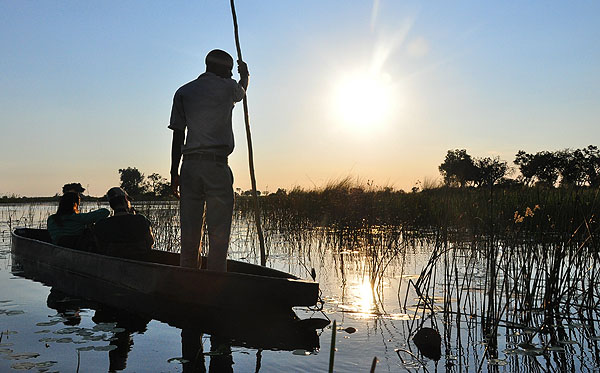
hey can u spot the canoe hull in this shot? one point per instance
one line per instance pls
(244, 285)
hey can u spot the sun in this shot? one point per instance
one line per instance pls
(363, 100)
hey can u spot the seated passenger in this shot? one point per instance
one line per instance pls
(125, 234)
(67, 226)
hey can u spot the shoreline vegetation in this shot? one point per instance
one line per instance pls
(515, 259)
(555, 191)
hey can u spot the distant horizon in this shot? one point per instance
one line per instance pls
(380, 89)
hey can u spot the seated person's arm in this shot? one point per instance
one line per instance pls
(93, 216)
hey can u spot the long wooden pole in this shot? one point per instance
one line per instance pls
(261, 239)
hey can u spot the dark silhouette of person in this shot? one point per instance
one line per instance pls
(221, 359)
(125, 234)
(68, 226)
(203, 108)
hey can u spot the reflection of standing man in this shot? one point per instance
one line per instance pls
(203, 107)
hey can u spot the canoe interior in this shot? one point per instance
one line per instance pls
(243, 285)
(172, 259)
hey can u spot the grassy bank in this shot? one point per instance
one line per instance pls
(516, 210)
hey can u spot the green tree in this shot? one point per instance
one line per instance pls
(541, 167)
(158, 186)
(571, 166)
(592, 165)
(490, 170)
(458, 168)
(132, 181)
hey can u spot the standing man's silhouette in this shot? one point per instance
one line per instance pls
(203, 107)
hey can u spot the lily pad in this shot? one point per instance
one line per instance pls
(86, 348)
(47, 323)
(68, 330)
(64, 340)
(23, 366)
(45, 364)
(48, 339)
(105, 348)
(105, 327)
(93, 337)
(497, 362)
(5, 351)
(14, 312)
(23, 356)
(43, 331)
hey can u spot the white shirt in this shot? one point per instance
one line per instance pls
(203, 107)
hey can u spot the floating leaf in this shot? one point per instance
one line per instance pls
(64, 340)
(45, 364)
(23, 366)
(23, 356)
(69, 330)
(6, 344)
(93, 337)
(118, 330)
(14, 312)
(105, 348)
(5, 351)
(105, 326)
(349, 330)
(43, 331)
(47, 323)
(497, 362)
(5, 301)
(48, 339)
(86, 348)
(84, 332)
(556, 349)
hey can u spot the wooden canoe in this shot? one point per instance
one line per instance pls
(243, 285)
(263, 329)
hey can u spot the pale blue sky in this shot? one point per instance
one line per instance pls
(86, 87)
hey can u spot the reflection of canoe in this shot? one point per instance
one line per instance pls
(269, 329)
(243, 285)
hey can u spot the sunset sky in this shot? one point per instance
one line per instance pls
(376, 90)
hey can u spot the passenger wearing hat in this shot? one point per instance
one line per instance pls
(125, 234)
(203, 108)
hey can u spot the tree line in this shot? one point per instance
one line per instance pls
(567, 167)
(139, 186)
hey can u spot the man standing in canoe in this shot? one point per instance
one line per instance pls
(203, 107)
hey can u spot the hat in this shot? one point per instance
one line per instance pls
(73, 188)
(115, 192)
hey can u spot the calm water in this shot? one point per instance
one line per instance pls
(47, 331)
